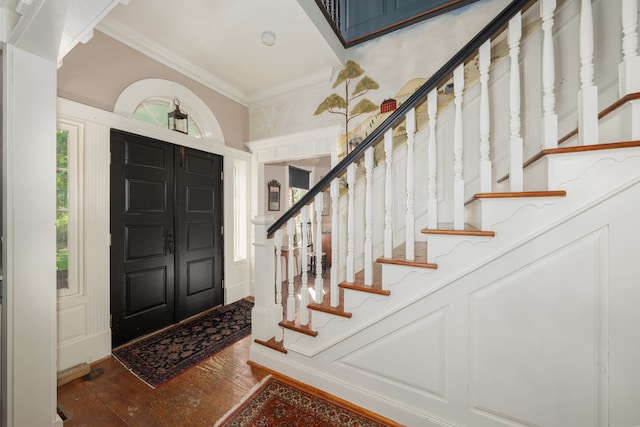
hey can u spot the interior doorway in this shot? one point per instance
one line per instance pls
(166, 234)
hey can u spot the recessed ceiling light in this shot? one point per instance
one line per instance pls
(268, 38)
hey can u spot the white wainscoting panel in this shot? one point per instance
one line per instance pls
(421, 345)
(534, 338)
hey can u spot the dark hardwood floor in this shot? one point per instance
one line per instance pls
(197, 397)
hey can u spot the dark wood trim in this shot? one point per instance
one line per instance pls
(399, 114)
(432, 13)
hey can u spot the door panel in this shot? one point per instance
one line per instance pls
(142, 220)
(166, 234)
(199, 216)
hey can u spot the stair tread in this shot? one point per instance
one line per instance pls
(469, 230)
(325, 305)
(398, 256)
(295, 326)
(516, 194)
(273, 344)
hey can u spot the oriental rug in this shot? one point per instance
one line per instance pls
(277, 402)
(161, 356)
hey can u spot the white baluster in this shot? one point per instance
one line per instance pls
(485, 125)
(515, 171)
(291, 298)
(410, 221)
(335, 296)
(351, 182)
(317, 247)
(304, 289)
(368, 217)
(458, 180)
(588, 94)
(432, 200)
(388, 195)
(550, 118)
(629, 74)
(278, 242)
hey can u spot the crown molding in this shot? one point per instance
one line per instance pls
(154, 50)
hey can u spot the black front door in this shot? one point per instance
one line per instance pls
(166, 235)
(199, 221)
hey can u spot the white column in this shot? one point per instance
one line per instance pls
(458, 180)
(335, 263)
(515, 170)
(388, 194)
(278, 314)
(410, 218)
(29, 199)
(368, 217)
(550, 118)
(432, 199)
(319, 285)
(351, 182)
(485, 122)
(264, 314)
(304, 289)
(588, 94)
(629, 70)
(291, 299)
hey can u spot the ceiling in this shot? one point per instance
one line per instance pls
(219, 42)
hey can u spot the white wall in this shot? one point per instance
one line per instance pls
(392, 61)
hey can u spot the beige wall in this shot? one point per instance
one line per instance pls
(96, 73)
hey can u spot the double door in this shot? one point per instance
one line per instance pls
(166, 234)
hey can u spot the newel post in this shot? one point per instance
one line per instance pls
(264, 315)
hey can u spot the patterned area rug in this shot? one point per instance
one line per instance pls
(276, 403)
(159, 357)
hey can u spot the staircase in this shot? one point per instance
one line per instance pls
(485, 271)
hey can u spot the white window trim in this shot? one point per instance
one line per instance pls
(75, 167)
(240, 215)
(140, 91)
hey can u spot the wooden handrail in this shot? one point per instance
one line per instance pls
(494, 27)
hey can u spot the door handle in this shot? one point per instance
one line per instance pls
(170, 241)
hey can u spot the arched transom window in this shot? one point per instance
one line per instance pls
(150, 100)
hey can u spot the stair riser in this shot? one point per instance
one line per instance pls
(621, 125)
(442, 245)
(496, 211)
(603, 169)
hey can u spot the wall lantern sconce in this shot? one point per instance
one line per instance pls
(177, 120)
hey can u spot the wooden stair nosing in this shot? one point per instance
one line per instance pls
(325, 308)
(465, 232)
(272, 344)
(419, 264)
(518, 194)
(363, 288)
(298, 328)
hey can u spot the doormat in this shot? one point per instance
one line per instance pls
(160, 357)
(278, 402)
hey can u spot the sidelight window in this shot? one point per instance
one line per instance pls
(68, 212)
